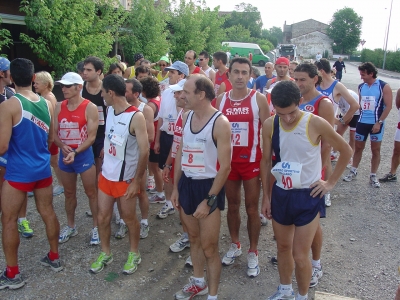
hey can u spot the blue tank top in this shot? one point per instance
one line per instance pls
(313, 105)
(7, 95)
(329, 91)
(372, 103)
(28, 153)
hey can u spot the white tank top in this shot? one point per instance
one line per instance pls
(207, 72)
(121, 151)
(141, 106)
(344, 106)
(302, 161)
(199, 152)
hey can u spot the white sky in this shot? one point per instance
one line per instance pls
(375, 16)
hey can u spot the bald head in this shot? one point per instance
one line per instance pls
(190, 57)
(269, 68)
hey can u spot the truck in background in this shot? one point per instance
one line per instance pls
(287, 50)
(243, 50)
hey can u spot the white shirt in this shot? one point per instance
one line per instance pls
(318, 57)
(168, 112)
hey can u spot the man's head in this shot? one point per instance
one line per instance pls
(22, 72)
(306, 77)
(204, 59)
(368, 71)
(71, 84)
(219, 59)
(137, 58)
(269, 68)
(92, 68)
(43, 82)
(145, 63)
(293, 64)
(340, 59)
(133, 88)
(5, 71)
(197, 89)
(255, 72)
(190, 57)
(150, 87)
(240, 72)
(113, 86)
(285, 97)
(142, 72)
(117, 69)
(324, 65)
(178, 88)
(178, 70)
(281, 66)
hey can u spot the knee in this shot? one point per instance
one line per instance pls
(233, 206)
(91, 192)
(301, 260)
(283, 247)
(252, 209)
(358, 147)
(210, 251)
(376, 151)
(69, 194)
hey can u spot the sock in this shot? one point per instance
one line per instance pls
(20, 220)
(150, 177)
(185, 236)
(145, 222)
(122, 222)
(12, 271)
(169, 203)
(300, 297)
(160, 194)
(354, 170)
(212, 297)
(372, 174)
(316, 263)
(53, 256)
(254, 251)
(199, 281)
(238, 244)
(286, 289)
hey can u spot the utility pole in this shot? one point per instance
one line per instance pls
(387, 35)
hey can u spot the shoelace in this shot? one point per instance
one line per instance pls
(252, 260)
(191, 286)
(25, 224)
(95, 234)
(66, 231)
(232, 251)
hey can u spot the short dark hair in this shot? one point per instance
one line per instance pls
(285, 94)
(220, 55)
(136, 85)
(310, 69)
(79, 66)
(151, 87)
(115, 66)
(323, 64)
(205, 54)
(144, 61)
(114, 83)
(22, 70)
(204, 84)
(142, 69)
(368, 67)
(240, 60)
(97, 63)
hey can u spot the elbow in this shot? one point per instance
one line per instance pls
(3, 149)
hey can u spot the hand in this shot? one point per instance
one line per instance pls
(69, 159)
(175, 198)
(202, 210)
(132, 190)
(101, 155)
(66, 150)
(165, 174)
(157, 147)
(320, 188)
(337, 122)
(376, 128)
(266, 207)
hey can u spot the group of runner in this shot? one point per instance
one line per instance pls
(198, 147)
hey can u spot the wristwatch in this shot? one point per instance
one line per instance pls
(167, 166)
(342, 121)
(76, 153)
(380, 121)
(211, 200)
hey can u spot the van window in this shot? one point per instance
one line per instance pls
(257, 51)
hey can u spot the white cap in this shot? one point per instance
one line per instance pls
(70, 78)
(179, 86)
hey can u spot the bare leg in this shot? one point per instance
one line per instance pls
(232, 190)
(153, 167)
(359, 148)
(128, 207)
(54, 164)
(89, 183)
(376, 156)
(69, 183)
(144, 199)
(104, 214)
(252, 195)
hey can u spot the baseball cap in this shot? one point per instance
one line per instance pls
(282, 61)
(179, 86)
(179, 66)
(164, 58)
(137, 57)
(4, 64)
(70, 78)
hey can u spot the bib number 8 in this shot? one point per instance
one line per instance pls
(287, 182)
(190, 158)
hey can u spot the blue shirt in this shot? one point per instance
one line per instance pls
(372, 103)
(261, 82)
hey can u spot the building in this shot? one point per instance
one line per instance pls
(309, 36)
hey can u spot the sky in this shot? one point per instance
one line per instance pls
(375, 16)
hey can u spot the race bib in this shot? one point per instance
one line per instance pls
(287, 175)
(101, 115)
(193, 158)
(69, 133)
(175, 145)
(240, 134)
(164, 84)
(368, 103)
(115, 146)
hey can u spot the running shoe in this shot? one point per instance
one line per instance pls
(102, 260)
(24, 229)
(350, 164)
(94, 236)
(132, 263)
(191, 290)
(55, 265)
(280, 295)
(165, 211)
(264, 220)
(121, 232)
(88, 213)
(316, 275)
(11, 283)
(67, 233)
(274, 260)
(180, 244)
(188, 262)
(57, 190)
(230, 256)
(153, 191)
(144, 230)
(388, 178)
(157, 199)
(151, 184)
(328, 202)
(253, 270)
(374, 181)
(349, 177)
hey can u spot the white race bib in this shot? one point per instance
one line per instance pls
(115, 146)
(101, 115)
(175, 145)
(193, 158)
(240, 134)
(287, 175)
(69, 133)
(368, 103)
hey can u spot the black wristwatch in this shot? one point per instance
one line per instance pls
(76, 153)
(167, 166)
(380, 122)
(211, 200)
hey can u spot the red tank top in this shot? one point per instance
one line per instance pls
(156, 102)
(219, 79)
(196, 70)
(228, 85)
(72, 125)
(245, 125)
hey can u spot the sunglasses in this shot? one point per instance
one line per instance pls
(201, 59)
(66, 85)
(162, 65)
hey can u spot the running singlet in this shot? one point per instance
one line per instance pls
(199, 152)
(121, 151)
(372, 103)
(344, 106)
(312, 106)
(245, 125)
(196, 70)
(72, 125)
(207, 72)
(28, 151)
(168, 111)
(156, 102)
(219, 79)
(228, 85)
(274, 82)
(295, 169)
(101, 108)
(329, 91)
(8, 93)
(177, 135)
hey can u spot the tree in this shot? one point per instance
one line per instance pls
(71, 30)
(5, 38)
(145, 30)
(212, 26)
(345, 30)
(237, 33)
(274, 35)
(248, 16)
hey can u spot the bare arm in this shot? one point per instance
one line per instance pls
(326, 112)
(149, 117)
(265, 167)
(354, 106)
(268, 84)
(6, 124)
(398, 99)
(388, 98)
(212, 76)
(50, 138)
(221, 89)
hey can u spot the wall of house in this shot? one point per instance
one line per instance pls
(308, 45)
(304, 27)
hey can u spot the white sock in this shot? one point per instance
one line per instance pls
(286, 289)
(160, 194)
(21, 219)
(212, 297)
(316, 263)
(115, 208)
(122, 222)
(145, 222)
(150, 177)
(372, 174)
(185, 236)
(300, 297)
(169, 203)
(199, 281)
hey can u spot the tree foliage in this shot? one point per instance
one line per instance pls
(237, 33)
(345, 30)
(5, 38)
(274, 35)
(71, 30)
(376, 57)
(247, 16)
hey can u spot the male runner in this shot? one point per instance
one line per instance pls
(246, 110)
(199, 183)
(204, 59)
(219, 63)
(76, 125)
(26, 119)
(190, 58)
(261, 81)
(297, 195)
(127, 149)
(293, 64)
(375, 104)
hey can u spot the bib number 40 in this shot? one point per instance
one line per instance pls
(287, 182)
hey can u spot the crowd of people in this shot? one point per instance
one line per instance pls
(189, 137)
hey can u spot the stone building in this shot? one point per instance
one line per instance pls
(309, 36)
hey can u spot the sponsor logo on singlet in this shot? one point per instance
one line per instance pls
(309, 108)
(237, 111)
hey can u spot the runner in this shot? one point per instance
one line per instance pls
(124, 165)
(219, 63)
(246, 110)
(261, 81)
(292, 66)
(190, 58)
(198, 183)
(77, 122)
(375, 104)
(298, 175)
(26, 119)
(204, 60)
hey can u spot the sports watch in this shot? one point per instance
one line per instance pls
(211, 200)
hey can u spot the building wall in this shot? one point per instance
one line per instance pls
(308, 45)
(307, 26)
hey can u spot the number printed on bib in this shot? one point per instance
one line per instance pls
(240, 134)
(193, 158)
(69, 133)
(115, 146)
(287, 175)
(368, 103)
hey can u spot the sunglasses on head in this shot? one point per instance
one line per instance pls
(66, 85)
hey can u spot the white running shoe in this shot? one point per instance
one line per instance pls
(316, 275)
(94, 236)
(180, 244)
(374, 181)
(253, 270)
(230, 256)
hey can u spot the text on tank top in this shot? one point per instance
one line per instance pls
(101, 108)
(177, 134)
